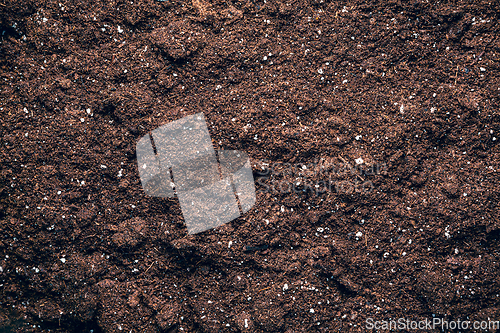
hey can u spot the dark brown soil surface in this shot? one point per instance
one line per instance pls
(407, 85)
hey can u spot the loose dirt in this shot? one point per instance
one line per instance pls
(408, 87)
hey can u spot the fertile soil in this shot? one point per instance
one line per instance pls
(399, 99)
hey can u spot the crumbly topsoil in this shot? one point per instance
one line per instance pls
(408, 85)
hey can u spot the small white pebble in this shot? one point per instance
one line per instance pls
(359, 234)
(311, 310)
(482, 69)
(285, 286)
(63, 260)
(82, 120)
(359, 161)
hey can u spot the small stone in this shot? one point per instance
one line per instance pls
(245, 322)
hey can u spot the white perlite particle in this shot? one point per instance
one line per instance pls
(359, 161)
(63, 260)
(285, 286)
(359, 234)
